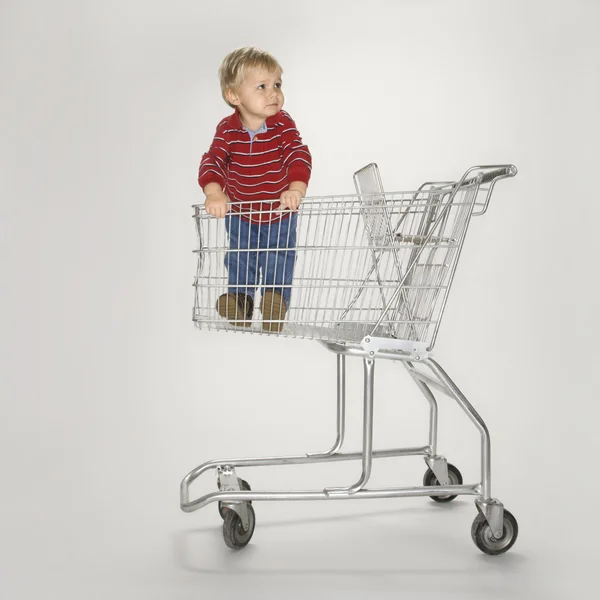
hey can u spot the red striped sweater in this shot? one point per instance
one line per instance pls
(260, 169)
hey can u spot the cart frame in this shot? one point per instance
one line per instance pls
(494, 530)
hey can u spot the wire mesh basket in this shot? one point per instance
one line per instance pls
(367, 265)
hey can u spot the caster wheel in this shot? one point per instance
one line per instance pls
(455, 479)
(233, 531)
(244, 485)
(486, 542)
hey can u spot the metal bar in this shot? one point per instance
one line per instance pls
(367, 453)
(359, 352)
(471, 489)
(433, 407)
(427, 380)
(341, 409)
(328, 248)
(454, 263)
(477, 420)
(299, 459)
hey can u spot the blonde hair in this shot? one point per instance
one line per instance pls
(236, 64)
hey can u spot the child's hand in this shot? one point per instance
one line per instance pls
(290, 199)
(216, 204)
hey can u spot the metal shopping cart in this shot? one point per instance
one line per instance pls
(372, 275)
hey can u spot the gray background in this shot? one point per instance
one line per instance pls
(109, 395)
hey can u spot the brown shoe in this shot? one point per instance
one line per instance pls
(273, 308)
(236, 308)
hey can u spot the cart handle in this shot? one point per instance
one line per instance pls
(501, 173)
(496, 173)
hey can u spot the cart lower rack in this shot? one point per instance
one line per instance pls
(368, 276)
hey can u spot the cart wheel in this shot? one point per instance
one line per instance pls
(244, 485)
(455, 479)
(484, 539)
(233, 531)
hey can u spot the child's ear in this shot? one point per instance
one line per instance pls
(232, 97)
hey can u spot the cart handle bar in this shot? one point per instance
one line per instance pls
(491, 177)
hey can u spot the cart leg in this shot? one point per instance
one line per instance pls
(433, 408)
(455, 393)
(341, 410)
(437, 464)
(367, 453)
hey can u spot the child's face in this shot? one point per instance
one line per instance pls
(260, 96)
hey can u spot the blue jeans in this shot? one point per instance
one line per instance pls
(264, 250)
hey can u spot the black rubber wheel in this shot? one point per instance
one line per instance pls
(455, 479)
(244, 485)
(484, 539)
(233, 531)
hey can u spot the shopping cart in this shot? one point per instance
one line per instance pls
(372, 275)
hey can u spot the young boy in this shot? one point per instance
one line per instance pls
(256, 156)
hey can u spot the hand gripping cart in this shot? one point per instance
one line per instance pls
(372, 275)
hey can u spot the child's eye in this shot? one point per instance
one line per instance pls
(278, 86)
(261, 86)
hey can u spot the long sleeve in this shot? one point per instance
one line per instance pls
(213, 165)
(296, 155)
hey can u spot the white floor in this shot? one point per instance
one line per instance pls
(111, 528)
(397, 549)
